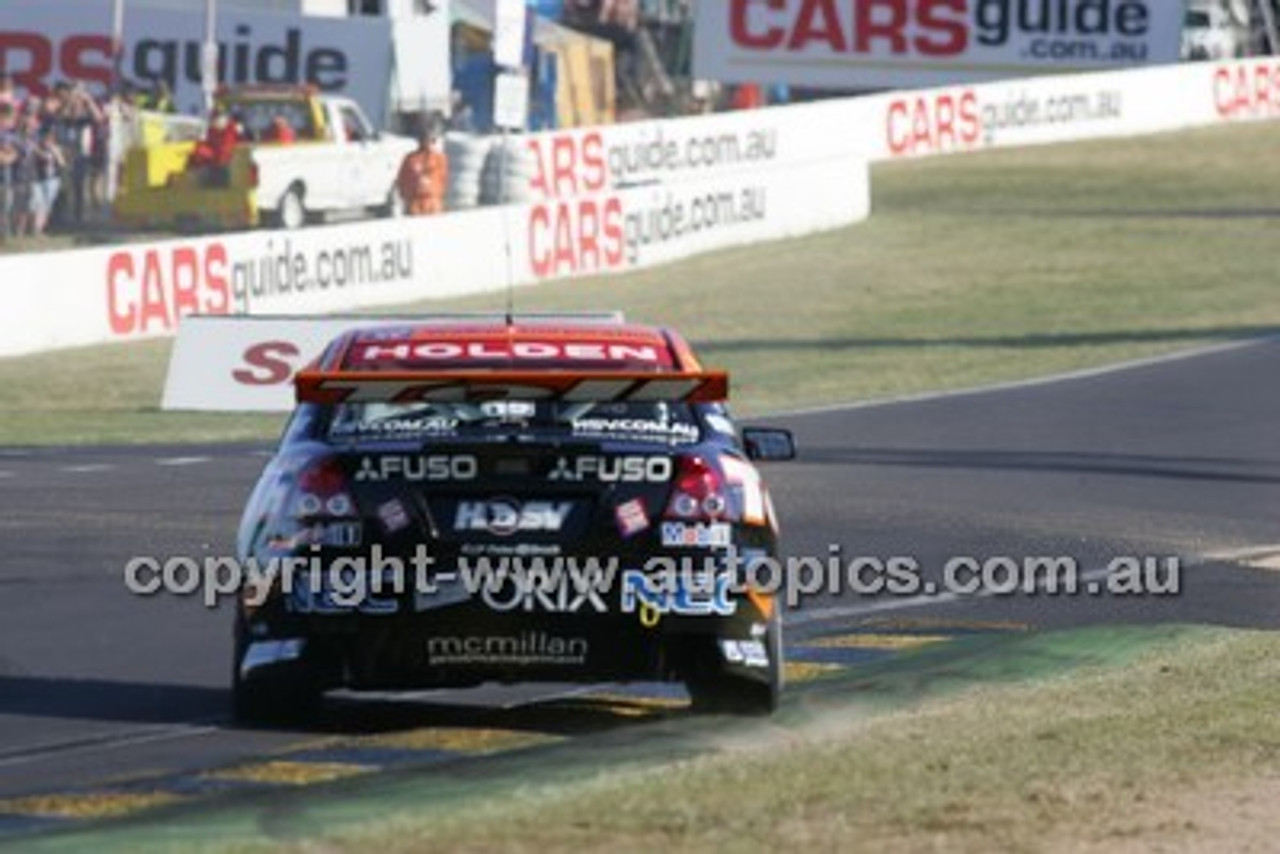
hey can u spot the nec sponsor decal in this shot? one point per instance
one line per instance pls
(614, 469)
(926, 28)
(503, 517)
(418, 469)
(682, 593)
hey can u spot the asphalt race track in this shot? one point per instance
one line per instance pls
(1178, 458)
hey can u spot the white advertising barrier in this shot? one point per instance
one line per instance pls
(66, 299)
(132, 292)
(137, 291)
(581, 161)
(1067, 108)
(247, 363)
(868, 44)
(42, 41)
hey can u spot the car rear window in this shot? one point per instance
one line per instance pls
(656, 421)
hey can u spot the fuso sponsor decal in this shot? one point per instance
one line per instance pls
(417, 469)
(614, 469)
(150, 290)
(1247, 91)
(504, 517)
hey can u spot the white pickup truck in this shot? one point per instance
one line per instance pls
(300, 156)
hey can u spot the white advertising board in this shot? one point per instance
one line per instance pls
(875, 44)
(43, 41)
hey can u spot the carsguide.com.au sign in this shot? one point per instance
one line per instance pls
(849, 44)
(43, 41)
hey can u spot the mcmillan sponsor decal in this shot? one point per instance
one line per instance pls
(524, 649)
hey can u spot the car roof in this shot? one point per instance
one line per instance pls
(523, 345)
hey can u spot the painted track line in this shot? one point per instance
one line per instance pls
(40, 752)
(1032, 383)
(88, 468)
(841, 612)
(180, 462)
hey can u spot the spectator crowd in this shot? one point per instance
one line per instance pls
(53, 155)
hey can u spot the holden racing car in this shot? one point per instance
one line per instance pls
(458, 501)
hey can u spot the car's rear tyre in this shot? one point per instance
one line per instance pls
(716, 688)
(288, 697)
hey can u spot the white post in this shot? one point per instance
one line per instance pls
(114, 129)
(209, 63)
(1269, 18)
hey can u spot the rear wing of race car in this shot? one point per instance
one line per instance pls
(331, 387)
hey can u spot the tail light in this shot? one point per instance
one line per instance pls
(322, 491)
(700, 493)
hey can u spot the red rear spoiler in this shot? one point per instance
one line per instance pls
(331, 387)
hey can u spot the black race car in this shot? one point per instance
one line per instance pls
(460, 501)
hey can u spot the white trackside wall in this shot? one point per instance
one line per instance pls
(608, 199)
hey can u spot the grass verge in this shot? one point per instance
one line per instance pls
(983, 268)
(1168, 751)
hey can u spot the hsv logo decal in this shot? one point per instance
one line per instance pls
(503, 517)
(614, 469)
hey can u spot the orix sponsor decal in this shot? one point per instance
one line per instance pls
(503, 517)
(648, 469)
(418, 469)
(1247, 91)
(527, 648)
